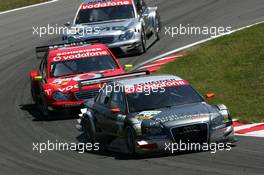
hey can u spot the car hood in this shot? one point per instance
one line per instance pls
(176, 115)
(113, 27)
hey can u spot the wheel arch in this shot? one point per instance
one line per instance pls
(88, 116)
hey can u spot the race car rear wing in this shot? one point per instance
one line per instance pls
(43, 50)
(90, 82)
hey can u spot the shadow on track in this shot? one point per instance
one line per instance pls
(34, 111)
(106, 152)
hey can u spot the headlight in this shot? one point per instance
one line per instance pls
(223, 110)
(217, 119)
(127, 35)
(58, 96)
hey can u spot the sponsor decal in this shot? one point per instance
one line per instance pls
(202, 117)
(66, 81)
(68, 88)
(147, 115)
(63, 81)
(87, 76)
(73, 52)
(48, 92)
(75, 55)
(155, 86)
(100, 4)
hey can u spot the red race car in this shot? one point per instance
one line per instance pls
(54, 86)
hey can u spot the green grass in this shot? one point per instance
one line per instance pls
(11, 4)
(233, 68)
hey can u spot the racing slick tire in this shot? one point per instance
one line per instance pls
(130, 140)
(43, 106)
(40, 103)
(33, 93)
(89, 131)
(44, 109)
(157, 28)
(143, 44)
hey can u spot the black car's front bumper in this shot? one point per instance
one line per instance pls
(172, 142)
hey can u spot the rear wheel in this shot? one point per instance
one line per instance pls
(33, 92)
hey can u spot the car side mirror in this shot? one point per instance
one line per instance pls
(68, 24)
(210, 95)
(115, 111)
(38, 78)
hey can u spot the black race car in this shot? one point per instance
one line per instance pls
(147, 113)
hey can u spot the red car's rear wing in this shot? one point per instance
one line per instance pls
(102, 80)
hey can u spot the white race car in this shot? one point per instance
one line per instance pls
(126, 26)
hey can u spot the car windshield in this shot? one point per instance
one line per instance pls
(83, 65)
(105, 14)
(172, 96)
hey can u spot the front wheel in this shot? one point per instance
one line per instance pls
(89, 131)
(43, 106)
(157, 28)
(33, 93)
(130, 140)
(143, 43)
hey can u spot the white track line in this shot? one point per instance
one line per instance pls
(193, 44)
(26, 7)
(167, 58)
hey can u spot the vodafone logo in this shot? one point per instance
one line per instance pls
(79, 55)
(87, 76)
(154, 86)
(105, 4)
(73, 52)
(68, 88)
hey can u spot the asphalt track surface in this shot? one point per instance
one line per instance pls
(20, 125)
